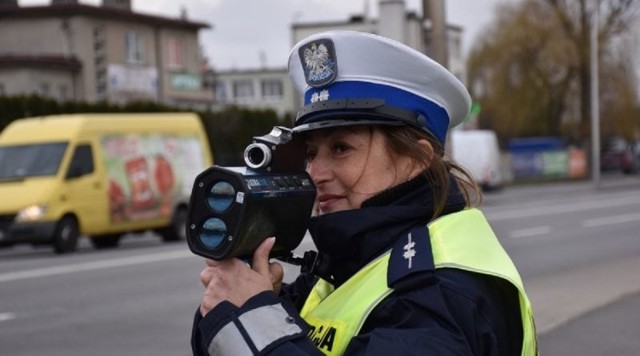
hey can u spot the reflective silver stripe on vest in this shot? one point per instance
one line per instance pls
(264, 325)
(268, 324)
(229, 341)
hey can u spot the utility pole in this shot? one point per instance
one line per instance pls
(435, 16)
(437, 41)
(595, 96)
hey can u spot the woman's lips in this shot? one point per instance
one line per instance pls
(327, 202)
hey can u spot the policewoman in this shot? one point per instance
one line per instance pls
(410, 266)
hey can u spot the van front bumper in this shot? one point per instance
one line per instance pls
(33, 232)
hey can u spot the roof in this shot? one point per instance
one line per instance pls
(34, 61)
(251, 71)
(60, 10)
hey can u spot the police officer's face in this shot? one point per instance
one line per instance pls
(351, 164)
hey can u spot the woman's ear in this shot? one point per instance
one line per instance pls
(427, 147)
(419, 166)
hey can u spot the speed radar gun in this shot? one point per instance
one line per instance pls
(234, 209)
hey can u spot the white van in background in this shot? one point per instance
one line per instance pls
(478, 152)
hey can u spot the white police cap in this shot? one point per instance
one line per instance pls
(354, 78)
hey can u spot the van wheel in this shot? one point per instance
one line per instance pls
(101, 242)
(177, 231)
(65, 237)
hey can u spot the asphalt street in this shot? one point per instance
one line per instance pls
(576, 247)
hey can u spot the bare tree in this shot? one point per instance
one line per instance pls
(575, 17)
(530, 70)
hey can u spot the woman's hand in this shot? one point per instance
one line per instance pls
(233, 280)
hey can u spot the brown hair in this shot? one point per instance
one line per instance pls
(403, 140)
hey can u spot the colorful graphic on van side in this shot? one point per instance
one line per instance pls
(148, 174)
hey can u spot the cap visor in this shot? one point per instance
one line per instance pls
(319, 125)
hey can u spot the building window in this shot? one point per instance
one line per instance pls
(220, 92)
(272, 88)
(44, 90)
(63, 94)
(100, 60)
(101, 91)
(455, 46)
(99, 41)
(175, 53)
(134, 47)
(243, 89)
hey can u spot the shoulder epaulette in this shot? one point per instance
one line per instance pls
(410, 254)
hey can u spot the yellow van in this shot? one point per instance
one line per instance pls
(98, 175)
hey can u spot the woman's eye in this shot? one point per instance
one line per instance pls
(310, 156)
(340, 148)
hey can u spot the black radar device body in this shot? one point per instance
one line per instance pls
(233, 209)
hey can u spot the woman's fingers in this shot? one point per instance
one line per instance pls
(261, 257)
(276, 272)
(205, 277)
(211, 263)
(234, 281)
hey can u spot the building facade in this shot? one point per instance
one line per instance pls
(255, 89)
(72, 51)
(394, 22)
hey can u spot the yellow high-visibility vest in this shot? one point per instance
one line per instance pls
(463, 240)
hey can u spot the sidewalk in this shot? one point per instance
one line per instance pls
(562, 297)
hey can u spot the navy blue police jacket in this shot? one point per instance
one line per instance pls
(434, 312)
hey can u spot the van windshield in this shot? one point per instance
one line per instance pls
(22, 161)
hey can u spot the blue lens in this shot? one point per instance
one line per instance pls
(221, 196)
(213, 233)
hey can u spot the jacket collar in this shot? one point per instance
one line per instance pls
(352, 238)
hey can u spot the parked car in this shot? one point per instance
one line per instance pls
(618, 155)
(635, 156)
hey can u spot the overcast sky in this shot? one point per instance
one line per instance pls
(244, 30)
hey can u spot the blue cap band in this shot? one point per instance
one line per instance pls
(434, 117)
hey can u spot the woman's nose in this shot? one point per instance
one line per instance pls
(319, 170)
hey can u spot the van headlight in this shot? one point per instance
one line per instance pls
(31, 213)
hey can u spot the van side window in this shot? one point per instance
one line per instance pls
(82, 161)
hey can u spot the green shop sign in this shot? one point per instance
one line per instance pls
(186, 82)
